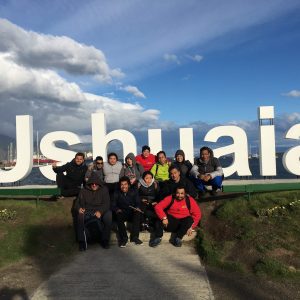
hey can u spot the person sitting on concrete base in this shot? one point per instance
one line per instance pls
(179, 214)
(207, 172)
(93, 207)
(95, 167)
(126, 206)
(70, 184)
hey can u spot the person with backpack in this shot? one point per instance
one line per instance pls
(132, 169)
(179, 214)
(160, 170)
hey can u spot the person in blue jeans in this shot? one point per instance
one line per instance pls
(207, 172)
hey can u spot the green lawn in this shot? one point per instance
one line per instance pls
(261, 235)
(44, 232)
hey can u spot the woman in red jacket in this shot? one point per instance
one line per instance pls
(179, 214)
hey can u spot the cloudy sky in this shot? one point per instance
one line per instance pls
(149, 64)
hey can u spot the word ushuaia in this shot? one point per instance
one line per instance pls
(100, 140)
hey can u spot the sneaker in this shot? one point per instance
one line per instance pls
(123, 244)
(82, 246)
(137, 241)
(215, 192)
(177, 242)
(154, 242)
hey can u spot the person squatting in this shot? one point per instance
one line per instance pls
(147, 192)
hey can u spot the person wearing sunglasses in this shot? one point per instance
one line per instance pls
(95, 167)
(93, 209)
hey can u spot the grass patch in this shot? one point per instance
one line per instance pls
(44, 232)
(241, 235)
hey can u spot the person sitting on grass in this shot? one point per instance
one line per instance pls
(126, 207)
(207, 172)
(179, 214)
(95, 167)
(93, 205)
(70, 184)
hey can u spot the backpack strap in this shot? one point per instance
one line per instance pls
(156, 169)
(187, 202)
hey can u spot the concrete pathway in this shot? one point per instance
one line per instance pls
(134, 272)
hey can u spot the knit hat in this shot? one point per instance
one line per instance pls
(146, 147)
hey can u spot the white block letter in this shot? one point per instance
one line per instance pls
(267, 152)
(239, 148)
(291, 158)
(49, 150)
(101, 139)
(24, 151)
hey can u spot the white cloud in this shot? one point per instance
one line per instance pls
(171, 58)
(133, 90)
(55, 52)
(293, 93)
(196, 57)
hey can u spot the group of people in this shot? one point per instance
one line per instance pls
(148, 191)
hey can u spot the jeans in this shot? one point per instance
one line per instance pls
(200, 184)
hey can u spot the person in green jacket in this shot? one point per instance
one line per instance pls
(160, 170)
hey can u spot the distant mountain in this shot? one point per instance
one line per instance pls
(4, 142)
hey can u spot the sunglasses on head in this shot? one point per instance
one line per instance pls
(94, 184)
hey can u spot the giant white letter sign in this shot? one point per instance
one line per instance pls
(101, 139)
(267, 152)
(239, 148)
(291, 157)
(24, 151)
(49, 149)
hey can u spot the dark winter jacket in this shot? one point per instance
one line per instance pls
(212, 167)
(150, 192)
(124, 200)
(185, 166)
(170, 187)
(94, 200)
(92, 169)
(74, 172)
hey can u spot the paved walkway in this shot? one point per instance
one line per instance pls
(135, 272)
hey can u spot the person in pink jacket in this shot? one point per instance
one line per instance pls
(179, 214)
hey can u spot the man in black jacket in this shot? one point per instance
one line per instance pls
(70, 183)
(176, 179)
(126, 206)
(93, 205)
